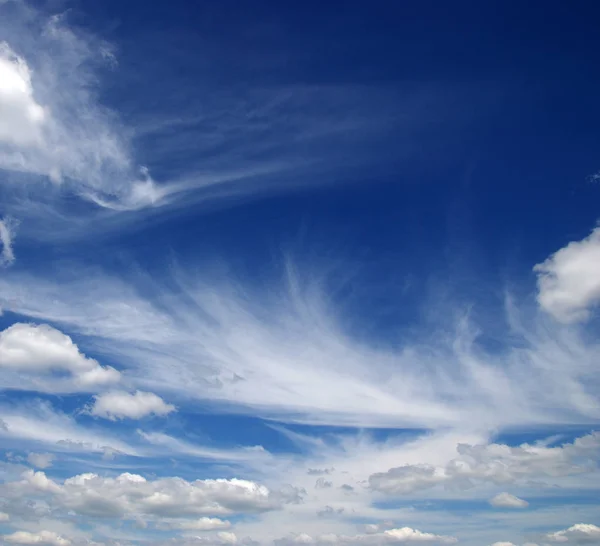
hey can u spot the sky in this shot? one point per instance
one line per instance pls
(278, 274)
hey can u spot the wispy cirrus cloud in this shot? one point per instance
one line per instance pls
(285, 352)
(7, 255)
(68, 157)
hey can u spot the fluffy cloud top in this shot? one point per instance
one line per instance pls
(132, 496)
(21, 117)
(119, 405)
(34, 352)
(580, 533)
(568, 281)
(506, 500)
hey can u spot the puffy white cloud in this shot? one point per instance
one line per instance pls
(40, 460)
(45, 538)
(580, 533)
(495, 463)
(21, 117)
(29, 354)
(120, 404)
(132, 496)
(7, 255)
(390, 536)
(4, 517)
(506, 500)
(568, 281)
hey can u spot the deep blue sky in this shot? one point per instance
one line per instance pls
(307, 231)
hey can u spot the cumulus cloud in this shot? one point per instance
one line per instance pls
(34, 356)
(568, 281)
(506, 500)
(7, 255)
(40, 460)
(493, 463)
(390, 536)
(116, 405)
(580, 533)
(132, 496)
(21, 117)
(44, 538)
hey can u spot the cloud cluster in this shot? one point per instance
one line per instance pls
(493, 463)
(132, 496)
(568, 281)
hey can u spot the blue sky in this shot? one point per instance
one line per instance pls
(277, 274)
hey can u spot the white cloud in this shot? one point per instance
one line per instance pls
(40, 460)
(120, 404)
(21, 117)
(265, 352)
(390, 536)
(38, 424)
(493, 463)
(132, 496)
(580, 533)
(45, 538)
(202, 524)
(171, 445)
(568, 281)
(7, 255)
(30, 354)
(51, 122)
(4, 517)
(506, 500)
